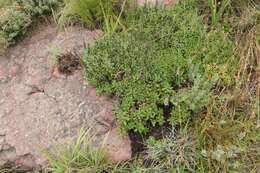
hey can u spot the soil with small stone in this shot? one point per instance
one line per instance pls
(40, 106)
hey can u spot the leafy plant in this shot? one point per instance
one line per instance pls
(17, 16)
(13, 24)
(191, 100)
(39, 7)
(151, 66)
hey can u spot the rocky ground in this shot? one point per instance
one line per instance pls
(40, 106)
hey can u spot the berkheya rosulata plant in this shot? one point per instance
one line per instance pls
(166, 59)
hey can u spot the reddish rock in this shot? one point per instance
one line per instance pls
(26, 162)
(14, 70)
(1, 71)
(7, 154)
(39, 107)
(118, 147)
(145, 2)
(56, 73)
(170, 2)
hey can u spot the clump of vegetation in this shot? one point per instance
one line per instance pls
(202, 78)
(18, 16)
(13, 24)
(93, 13)
(167, 58)
(217, 10)
(175, 153)
(82, 156)
(36, 8)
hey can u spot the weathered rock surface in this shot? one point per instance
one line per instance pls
(118, 148)
(39, 106)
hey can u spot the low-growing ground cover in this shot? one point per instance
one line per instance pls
(18, 15)
(165, 59)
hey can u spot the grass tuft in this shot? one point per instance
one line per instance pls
(82, 156)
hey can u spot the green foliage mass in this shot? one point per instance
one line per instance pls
(88, 11)
(37, 7)
(18, 15)
(79, 157)
(92, 13)
(166, 58)
(14, 24)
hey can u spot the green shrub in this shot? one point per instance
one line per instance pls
(165, 56)
(38, 7)
(18, 15)
(15, 23)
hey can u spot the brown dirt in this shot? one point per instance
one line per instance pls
(40, 106)
(69, 62)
